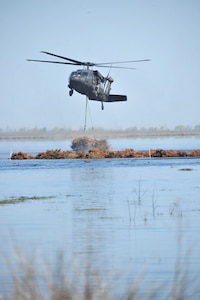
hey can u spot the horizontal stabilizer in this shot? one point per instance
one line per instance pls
(116, 98)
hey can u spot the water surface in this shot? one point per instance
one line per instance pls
(126, 216)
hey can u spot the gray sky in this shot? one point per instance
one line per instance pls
(162, 92)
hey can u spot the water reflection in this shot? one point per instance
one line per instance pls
(90, 209)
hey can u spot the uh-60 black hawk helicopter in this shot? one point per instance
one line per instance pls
(91, 82)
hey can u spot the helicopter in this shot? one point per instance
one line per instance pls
(91, 82)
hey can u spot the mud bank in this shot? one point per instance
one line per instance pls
(100, 153)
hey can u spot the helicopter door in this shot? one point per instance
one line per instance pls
(94, 79)
(90, 77)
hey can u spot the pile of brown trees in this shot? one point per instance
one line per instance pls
(84, 147)
(101, 153)
(85, 144)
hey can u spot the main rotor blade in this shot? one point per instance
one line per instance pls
(88, 64)
(114, 67)
(75, 64)
(63, 57)
(53, 62)
(122, 62)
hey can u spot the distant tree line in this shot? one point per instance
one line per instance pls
(63, 133)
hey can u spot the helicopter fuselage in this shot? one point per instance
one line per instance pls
(88, 83)
(94, 85)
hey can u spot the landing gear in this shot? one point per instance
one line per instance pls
(71, 92)
(102, 106)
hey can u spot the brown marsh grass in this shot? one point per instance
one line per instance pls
(37, 280)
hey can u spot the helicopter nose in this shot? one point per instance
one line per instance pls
(71, 78)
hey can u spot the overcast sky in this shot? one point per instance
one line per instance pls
(162, 92)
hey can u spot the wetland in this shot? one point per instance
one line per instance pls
(129, 218)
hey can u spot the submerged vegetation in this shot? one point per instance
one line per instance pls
(21, 199)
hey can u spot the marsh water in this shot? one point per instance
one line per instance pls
(130, 217)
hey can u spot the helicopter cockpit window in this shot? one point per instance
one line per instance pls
(74, 74)
(85, 74)
(81, 75)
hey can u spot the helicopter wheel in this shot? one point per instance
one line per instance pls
(71, 92)
(102, 106)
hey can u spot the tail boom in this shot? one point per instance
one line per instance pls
(116, 98)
